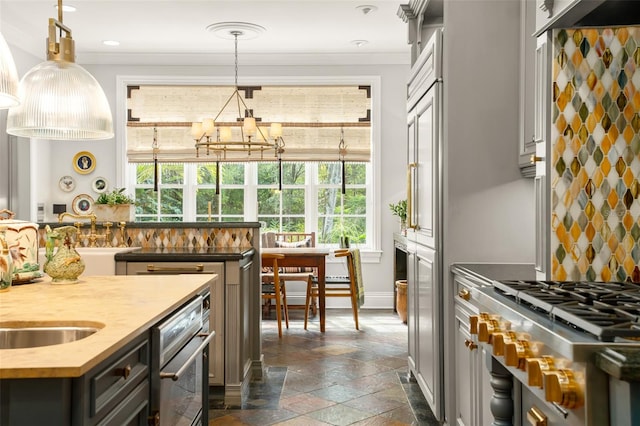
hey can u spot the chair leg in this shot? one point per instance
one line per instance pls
(306, 302)
(283, 288)
(354, 306)
(278, 308)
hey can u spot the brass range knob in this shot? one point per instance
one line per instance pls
(536, 367)
(498, 340)
(487, 328)
(561, 387)
(516, 352)
(475, 319)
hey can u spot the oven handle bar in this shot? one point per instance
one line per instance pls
(176, 376)
(153, 268)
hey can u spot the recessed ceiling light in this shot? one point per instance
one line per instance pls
(111, 42)
(66, 8)
(359, 43)
(367, 8)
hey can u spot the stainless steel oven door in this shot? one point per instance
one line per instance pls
(184, 384)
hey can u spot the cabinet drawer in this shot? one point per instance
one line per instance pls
(118, 378)
(164, 268)
(132, 411)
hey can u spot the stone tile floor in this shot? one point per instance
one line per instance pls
(340, 377)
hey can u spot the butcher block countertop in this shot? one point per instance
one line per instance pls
(126, 305)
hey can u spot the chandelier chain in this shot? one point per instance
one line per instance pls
(236, 58)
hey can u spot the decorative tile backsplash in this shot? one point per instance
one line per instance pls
(165, 236)
(595, 154)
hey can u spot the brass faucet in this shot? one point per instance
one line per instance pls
(93, 236)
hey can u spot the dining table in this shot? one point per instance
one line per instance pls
(311, 257)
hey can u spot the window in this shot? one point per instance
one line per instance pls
(311, 199)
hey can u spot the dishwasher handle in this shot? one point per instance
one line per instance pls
(176, 376)
(197, 268)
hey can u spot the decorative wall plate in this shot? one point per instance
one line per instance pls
(83, 204)
(84, 162)
(67, 183)
(100, 185)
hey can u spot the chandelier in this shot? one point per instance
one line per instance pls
(250, 139)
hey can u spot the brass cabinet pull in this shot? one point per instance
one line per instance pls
(154, 420)
(470, 344)
(124, 372)
(535, 159)
(410, 223)
(464, 293)
(196, 268)
(535, 417)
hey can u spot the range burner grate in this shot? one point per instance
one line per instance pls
(607, 310)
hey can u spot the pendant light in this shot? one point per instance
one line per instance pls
(8, 77)
(60, 99)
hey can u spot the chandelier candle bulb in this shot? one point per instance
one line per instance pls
(275, 131)
(249, 125)
(196, 129)
(208, 126)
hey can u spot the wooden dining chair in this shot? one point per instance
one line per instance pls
(274, 289)
(292, 273)
(340, 285)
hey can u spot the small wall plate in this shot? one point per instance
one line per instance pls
(100, 185)
(84, 162)
(83, 204)
(67, 183)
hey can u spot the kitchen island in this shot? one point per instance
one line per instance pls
(97, 377)
(236, 353)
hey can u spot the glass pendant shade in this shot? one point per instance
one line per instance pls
(60, 101)
(8, 77)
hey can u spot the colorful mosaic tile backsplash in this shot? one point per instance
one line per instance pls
(164, 237)
(595, 169)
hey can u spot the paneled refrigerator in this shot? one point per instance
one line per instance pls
(424, 176)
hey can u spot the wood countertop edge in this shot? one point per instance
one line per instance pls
(75, 359)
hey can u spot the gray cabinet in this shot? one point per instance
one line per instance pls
(472, 389)
(526, 141)
(116, 392)
(424, 282)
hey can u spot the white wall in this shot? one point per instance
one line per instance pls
(54, 158)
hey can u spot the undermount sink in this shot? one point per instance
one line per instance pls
(26, 335)
(97, 260)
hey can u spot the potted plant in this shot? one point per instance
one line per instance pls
(114, 206)
(400, 209)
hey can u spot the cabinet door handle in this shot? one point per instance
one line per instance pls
(196, 268)
(536, 417)
(535, 159)
(410, 223)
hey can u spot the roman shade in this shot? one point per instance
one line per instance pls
(312, 118)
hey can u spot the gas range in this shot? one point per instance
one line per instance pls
(608, 311)
(546, 335)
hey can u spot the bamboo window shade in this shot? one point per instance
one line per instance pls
(312, 118)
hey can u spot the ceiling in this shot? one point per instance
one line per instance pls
(174, 31)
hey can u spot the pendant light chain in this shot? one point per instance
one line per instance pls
(235, 35)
